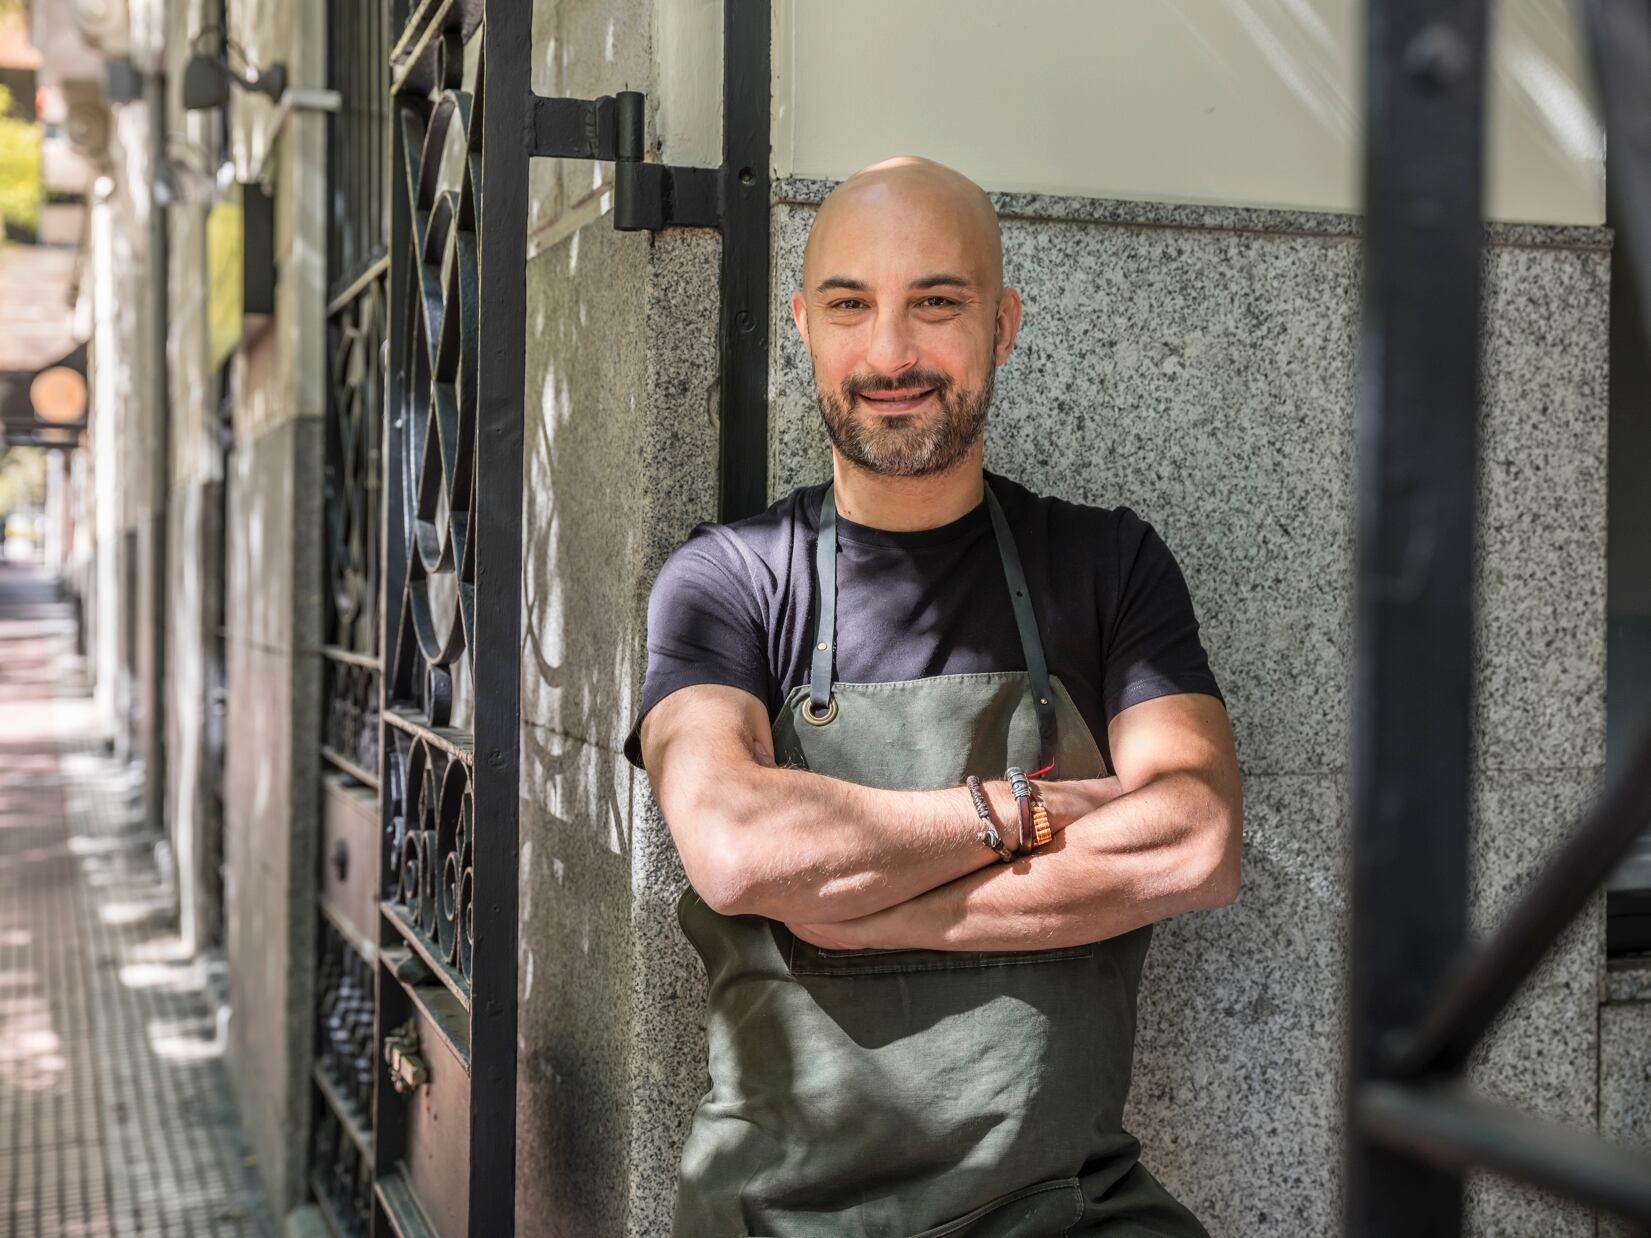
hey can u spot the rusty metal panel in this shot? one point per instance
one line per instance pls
(349, 846)
(438, 1127)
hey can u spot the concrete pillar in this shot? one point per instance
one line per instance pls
(273, 616)
(621, 461)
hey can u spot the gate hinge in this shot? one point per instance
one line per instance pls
(646, 196)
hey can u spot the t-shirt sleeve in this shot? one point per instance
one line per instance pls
(1151, 646)
(704, 626)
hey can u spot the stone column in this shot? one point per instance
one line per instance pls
(273, 617)
(621, 462)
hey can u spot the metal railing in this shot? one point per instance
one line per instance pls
(1422, 994)
(358, 149)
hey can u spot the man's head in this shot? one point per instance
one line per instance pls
(905, 316)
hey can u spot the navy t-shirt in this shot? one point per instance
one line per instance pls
(734, 605)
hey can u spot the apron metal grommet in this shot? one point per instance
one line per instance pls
(824, 719)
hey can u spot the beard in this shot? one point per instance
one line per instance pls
(906, 444)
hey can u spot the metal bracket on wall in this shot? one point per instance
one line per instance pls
(732, 198)
(647, 197)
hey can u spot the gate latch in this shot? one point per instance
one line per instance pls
(407, 1069)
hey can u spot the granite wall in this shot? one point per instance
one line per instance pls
(1197, 365)
(1625, 1063)
(620, 450)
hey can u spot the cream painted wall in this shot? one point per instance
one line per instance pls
(1240, 102)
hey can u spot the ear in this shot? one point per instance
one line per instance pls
(1008, 324)
(799, 315)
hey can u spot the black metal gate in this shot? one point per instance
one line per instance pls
(1422, 995)
(417, 983)
(415, 1075)
(416, 1055)
(341, 1163)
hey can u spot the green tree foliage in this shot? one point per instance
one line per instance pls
(22, 477)
(19, 169)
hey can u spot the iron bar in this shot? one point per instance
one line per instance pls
(1457, 1130)
(650, 196)
(1619, 37)
(1488, 975)
(576, 128)
(505, 77)
(1415, 463)
(747, 86)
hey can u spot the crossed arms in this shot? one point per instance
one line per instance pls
(852, 867)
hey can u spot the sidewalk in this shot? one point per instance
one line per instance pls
(115, 1116)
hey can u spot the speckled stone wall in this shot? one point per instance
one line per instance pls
(1197, 365)
(620, 445)
(1625, 1064)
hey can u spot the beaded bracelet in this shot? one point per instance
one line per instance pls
(1041, 830)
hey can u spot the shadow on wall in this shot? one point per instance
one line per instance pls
(621, 354)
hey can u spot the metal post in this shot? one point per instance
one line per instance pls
(1416, 461)
(746, 103)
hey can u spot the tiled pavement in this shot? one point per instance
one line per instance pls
(114, 1112)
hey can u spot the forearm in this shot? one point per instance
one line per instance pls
(795, 845)
(812, 847)
(1166, 848)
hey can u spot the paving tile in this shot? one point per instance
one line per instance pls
(115, 1116)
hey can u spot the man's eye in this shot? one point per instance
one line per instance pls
(847, 303)
(937, 303)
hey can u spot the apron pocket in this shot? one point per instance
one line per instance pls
(1041, 1210)
(805, 959)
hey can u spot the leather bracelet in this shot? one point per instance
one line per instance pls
(989, 836)
(1021, 786)
(983, 810)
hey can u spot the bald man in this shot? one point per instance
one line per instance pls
(936, 752)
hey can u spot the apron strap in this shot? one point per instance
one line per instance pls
(825, 626)
(1037, 670)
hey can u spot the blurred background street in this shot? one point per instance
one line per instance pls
(114, 1115)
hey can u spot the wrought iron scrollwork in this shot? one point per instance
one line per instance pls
(352, 494)
(353, 498)
(340, 1167)
(352, 713)
(344, 1048)
(430, 846)
(438, 441)
(341, 1176)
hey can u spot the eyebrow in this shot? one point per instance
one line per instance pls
(928, 281)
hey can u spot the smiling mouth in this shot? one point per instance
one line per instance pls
(897, 401)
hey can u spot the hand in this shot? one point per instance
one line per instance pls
(1071, 798)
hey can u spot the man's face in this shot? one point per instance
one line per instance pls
(905, 322)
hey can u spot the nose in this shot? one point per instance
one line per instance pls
(891, 349)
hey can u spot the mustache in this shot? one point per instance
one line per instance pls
(858, 384)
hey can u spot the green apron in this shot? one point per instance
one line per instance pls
(919, 1093)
